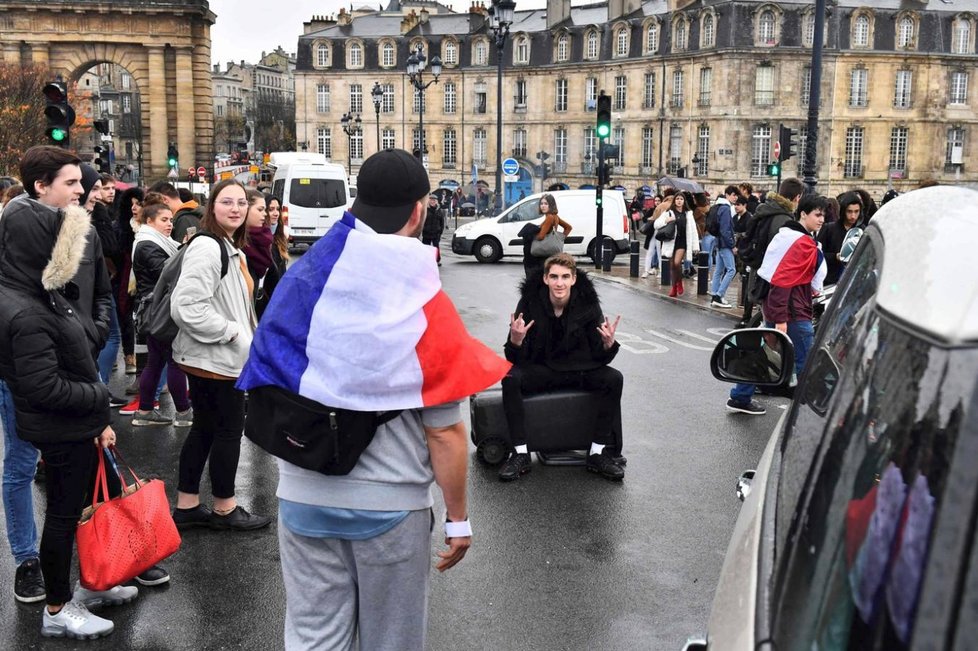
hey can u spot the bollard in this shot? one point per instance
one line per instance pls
(633, 253)
(743, 288)
(609, 253)
(665, 271)
(702, 273)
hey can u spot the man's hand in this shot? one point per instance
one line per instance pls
(456, 552)
(607, 330)
(106, 438)
(781, 327)
(518, 329)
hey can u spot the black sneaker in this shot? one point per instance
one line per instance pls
(239, 520)
(604, 464)
(155, 575)
(752, 407)
(116, 401)
(199, 516)
(516, 466)
(719, 302)
(28, 582)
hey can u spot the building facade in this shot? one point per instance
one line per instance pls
(697, 86)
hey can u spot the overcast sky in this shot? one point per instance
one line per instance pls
(245, 28)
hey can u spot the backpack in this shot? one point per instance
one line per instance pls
(153, 313)
(713, 221)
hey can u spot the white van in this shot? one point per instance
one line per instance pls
(492, 238)
(314, 193)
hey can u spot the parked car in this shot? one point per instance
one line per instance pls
(858, 525)
(491, 238)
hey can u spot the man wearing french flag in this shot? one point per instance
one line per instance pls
(360, 322)
(795, 268)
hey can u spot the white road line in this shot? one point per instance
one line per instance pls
(700, 337)
(678, 341)
(720, 332)
(637, 345)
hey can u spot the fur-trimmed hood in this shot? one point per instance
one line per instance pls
(41, 249)
(584, 302)
(775, 204)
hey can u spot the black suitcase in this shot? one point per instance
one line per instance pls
(557, 424)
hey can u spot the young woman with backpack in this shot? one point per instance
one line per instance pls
(216, 321)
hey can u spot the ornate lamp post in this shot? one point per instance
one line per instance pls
(415, 70)
(500, 18)
(377, 95)
(351, 126)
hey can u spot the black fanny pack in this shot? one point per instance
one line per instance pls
(309, 434)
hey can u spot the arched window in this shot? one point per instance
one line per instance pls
(592, 45)
(860, 31)
(765, 27)
(521, 53)
(652, 38)
(708, 31)
(563, 47)
(356, 56)
(679, 41)
(808, 29)
(322, 55)
(961, 40)
(905, 32)
(450, 55)
(389, 60)
(480, 54)
(621, 42)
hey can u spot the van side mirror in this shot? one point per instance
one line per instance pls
(762, 356)
(849, 243)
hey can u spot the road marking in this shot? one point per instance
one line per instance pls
(635, 344)
(720, 332)
(678, 341)
(700, 337)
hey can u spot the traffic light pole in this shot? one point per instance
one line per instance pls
(814, 97)
(599, 212)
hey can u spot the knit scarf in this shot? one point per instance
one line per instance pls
(259, 249)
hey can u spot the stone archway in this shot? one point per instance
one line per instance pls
(165, 46)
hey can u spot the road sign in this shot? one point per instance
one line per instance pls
(511, 167)
(202, 172)
(511, 178)
(777, 150)
(172, 174)
(192, 171)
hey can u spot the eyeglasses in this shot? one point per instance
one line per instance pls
(229, 203)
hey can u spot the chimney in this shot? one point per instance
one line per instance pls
(423, 17)
(557, 12)
(343, 18)
(409, 22)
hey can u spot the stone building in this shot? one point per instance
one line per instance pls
(698, 86)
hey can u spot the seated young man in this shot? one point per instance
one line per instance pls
(559, 339)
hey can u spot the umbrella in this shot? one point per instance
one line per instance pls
(681, 184)
(470, 188)
(448, 183)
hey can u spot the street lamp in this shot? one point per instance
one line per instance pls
(351, 126)
(415, 70)
(377, 95)
(500, 18)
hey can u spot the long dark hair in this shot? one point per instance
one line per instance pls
(209, 221)
(551, 203)
(280, 242)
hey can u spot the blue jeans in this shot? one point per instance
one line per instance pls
(707, 243)
(19, 463)
(725, 272)
(110, 351)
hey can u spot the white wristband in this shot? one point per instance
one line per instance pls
(461, 529)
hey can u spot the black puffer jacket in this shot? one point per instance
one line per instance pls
(570, 342)
(147, 265)
(45, 356)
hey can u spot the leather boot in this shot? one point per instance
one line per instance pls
(679, 287)
(674, 291)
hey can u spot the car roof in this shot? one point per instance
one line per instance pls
(929, 277)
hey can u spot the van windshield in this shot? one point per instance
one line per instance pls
(317, 193)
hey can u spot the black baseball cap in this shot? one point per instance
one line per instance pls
(389, 185)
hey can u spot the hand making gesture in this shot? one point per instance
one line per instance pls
(518, 329)
(607, 330)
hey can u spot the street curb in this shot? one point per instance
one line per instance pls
(625, 282)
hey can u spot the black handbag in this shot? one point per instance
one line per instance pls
(667, 232)
(646, 228)
(309, 434)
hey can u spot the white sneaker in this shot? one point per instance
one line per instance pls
(646, 274)
(74, 620)
(121, 594)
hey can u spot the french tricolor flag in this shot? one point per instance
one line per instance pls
(361, 322)
(793, 258)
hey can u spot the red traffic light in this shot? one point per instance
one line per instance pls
(56, 91)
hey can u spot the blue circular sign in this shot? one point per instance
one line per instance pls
(511, 167)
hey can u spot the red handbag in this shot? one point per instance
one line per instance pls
(125, 536)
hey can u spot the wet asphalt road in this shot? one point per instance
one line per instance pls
(561, 559)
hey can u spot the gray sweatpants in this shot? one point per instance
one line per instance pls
(374, 589)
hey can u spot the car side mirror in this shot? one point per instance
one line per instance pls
(762, 356)
(849, 243)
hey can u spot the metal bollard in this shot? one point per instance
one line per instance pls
(665, 271)
(609, 252)
(743, 288)
(633, 258)
(702, 273)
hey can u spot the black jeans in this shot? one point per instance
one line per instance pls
(535, 378)
(69, 479)
(216, 433)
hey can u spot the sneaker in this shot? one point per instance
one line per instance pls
(239, 520)
(155, 575)
(149, 418)
(604, 465)
(74, 620)
(752, 407)
(719, 302)
(116, 401)
(133, 388)
(130, 364)
(28, 582)
(646, 274)
(199, 516)
(184, 418)
(91, 599)
(515, 467)
(133, 407)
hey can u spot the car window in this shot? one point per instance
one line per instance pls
(317, 193)
(861, 539)
(526, 211)
(278, 188)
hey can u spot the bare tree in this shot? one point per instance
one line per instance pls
(274, 123)
(22, 123)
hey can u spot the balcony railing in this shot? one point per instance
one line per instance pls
(560, 166)
(852, 170)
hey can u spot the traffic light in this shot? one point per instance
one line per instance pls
(788, 139)
(604, 115)
(59, 113)
(102, 126)
(607, 153)
(773, 169)
(545, 170)
(172, 156)
(101, 161)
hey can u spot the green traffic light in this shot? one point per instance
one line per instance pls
(597, 201)
(58, 135)
(604, 130)
(172, 162)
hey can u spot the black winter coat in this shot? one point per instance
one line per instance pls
(570, 342)
(45, 356)
(148, 260)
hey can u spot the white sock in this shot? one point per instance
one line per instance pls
(521, 449)
(596, 448)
